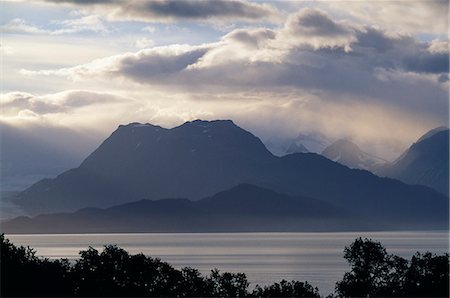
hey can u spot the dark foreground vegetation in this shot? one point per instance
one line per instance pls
(114, 272)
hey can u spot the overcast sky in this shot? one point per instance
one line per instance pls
(375, 72)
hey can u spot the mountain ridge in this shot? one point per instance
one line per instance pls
(201, 158)
(242, 208)
(425, 162)
(349, 154)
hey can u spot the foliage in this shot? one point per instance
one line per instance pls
(427, 276)
(376, 273)
(24, 274)
(287, 289)
(114, 272)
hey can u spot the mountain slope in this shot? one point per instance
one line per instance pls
(141, 161)
(296, 147)
(315, 143)
(200, 158)
(348, 153)
(426, 162)
(242, 208)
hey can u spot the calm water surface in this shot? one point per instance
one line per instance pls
(264, 257)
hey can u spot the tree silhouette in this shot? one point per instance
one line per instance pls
(228, 284)
(427, 276)
(376, 273)
(114, 272)
(287, 289)
(24, 274)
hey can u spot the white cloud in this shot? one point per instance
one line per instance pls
(438, 47)
(144, 43)
(422, 16)
(150, 29)
(6, 50)
(21, 103)
(17, 26)
(85, 23)
(154, 62)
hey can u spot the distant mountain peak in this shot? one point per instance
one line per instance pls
(296, 147)
(200, 122)
(303, 143)
(139, 161)
(348, 153)
(140, 125)
(425, 162)
(344, 144)
(432, 132)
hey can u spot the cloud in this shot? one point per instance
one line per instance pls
(6, 50)
(18, 25)
(438, 47)
(310, 51)
(150, 29)
(140, 66)
(144, 43)
(86, 23)
(173, 10)
(27, 105)
(312, 73)
(411, 17)
(254, 38)
(316, 28)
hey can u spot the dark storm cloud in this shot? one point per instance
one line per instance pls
(401, 52)
(316, 23)
(427, 62)
(168, 10)
(150, 64)
(193, 9)
(159, 64)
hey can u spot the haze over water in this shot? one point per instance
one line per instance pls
(264, 257)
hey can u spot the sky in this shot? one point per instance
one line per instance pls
(375, 72)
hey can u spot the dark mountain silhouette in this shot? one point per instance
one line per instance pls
(141, 161)
(426, 162)
(348, 153)
(200, 158)
(243, 208)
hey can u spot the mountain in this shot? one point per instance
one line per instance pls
(139, 161)
(244, 208)
(201, 158)
(296, 147)
(348, 153)
(315, 143)
(426, 162)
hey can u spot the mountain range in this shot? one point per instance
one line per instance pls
(426, 162)
(244, 208)
(303, 143)
(348, 153)
(201, 158)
